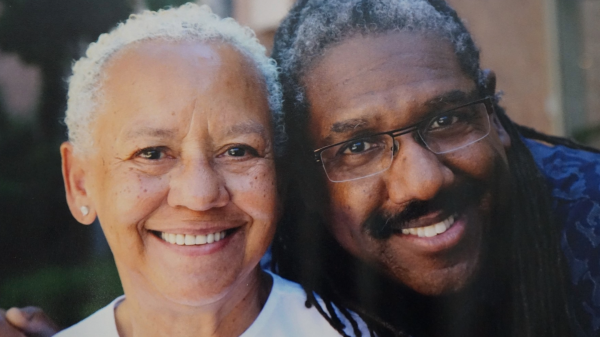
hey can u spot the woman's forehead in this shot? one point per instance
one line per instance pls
(167, 85)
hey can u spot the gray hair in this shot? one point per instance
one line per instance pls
(189, 22)
(312, 26)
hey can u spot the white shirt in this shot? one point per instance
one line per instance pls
(284, 314)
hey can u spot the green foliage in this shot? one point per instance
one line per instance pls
(67, 294)
(158, 4)
(50, 34)
(39, 239)
(42, 31)
(588, 134)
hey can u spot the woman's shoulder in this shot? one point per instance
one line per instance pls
(286, 314)
(99, 324)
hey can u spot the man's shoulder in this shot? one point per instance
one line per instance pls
(574, 178)
(571, 173)
(100, 324)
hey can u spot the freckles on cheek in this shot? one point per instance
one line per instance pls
(136, 195)
(255, 191)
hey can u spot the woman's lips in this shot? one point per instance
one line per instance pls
(192, 240)
(207, 242)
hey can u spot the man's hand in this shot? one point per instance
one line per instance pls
(26, 322)
(7, 329)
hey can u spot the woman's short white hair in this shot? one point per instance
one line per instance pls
(185, 23)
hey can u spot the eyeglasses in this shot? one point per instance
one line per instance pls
(370, 155)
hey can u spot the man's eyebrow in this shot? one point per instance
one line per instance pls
(246, 128)
(349, 125)
(451, 97)
(150, 132)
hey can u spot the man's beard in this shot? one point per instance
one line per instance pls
(382, 225)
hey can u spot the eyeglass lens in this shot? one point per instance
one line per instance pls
(443, 133)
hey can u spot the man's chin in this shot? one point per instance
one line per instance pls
(440, 282)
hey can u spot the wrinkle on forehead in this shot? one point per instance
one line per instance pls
(248, 127)
(150, 132)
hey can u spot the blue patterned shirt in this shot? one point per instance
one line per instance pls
(574, 178)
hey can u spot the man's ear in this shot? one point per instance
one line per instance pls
(488, 81)
(500, 131)
(74, 178)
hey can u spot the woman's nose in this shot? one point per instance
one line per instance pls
(416, 173)
(198, 186)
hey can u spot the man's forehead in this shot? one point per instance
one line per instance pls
(360, 56)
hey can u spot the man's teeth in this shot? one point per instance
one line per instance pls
(192, 240)
(432, 230)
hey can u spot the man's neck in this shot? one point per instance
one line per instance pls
(474, 311)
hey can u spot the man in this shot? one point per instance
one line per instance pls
(403, 158)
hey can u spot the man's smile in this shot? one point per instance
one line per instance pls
(425, 218)
(431, 230)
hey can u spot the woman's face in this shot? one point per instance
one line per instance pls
(183, 155)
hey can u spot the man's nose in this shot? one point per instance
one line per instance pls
(197, 186)
(416, 173)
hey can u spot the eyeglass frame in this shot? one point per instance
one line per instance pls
(487, 101)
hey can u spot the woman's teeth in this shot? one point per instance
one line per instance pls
(192, 240)
(432, 230)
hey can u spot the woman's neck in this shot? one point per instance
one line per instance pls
(229, 316)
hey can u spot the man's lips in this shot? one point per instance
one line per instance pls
(431, 230)
(433, 216)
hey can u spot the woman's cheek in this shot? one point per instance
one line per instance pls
(136, 196)
(255, 191)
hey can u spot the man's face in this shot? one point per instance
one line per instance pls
(375, 84)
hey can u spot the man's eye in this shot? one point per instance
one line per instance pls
(151, 154)
(443, 121)
(357, 147)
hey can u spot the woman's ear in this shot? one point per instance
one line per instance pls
(74, 178)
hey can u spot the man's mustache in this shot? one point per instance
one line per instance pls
(381, 225)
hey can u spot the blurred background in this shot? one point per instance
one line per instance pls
(546, 54)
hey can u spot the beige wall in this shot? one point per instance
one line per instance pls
(512, 37)
(590, 62)
(513, 44)
(263, 16)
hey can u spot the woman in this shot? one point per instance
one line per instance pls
(174, 125)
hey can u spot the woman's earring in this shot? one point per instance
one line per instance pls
(84, 210)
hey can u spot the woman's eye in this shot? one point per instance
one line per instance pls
(241, 151)
(236, 152)
(151, 153)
